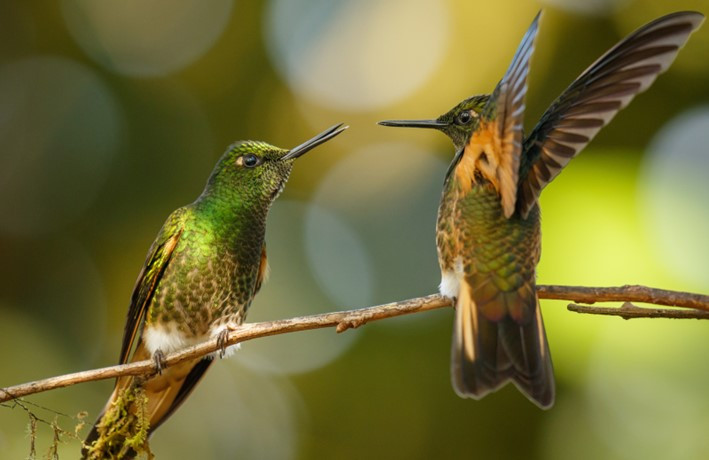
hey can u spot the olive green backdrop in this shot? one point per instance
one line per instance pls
(112, 114)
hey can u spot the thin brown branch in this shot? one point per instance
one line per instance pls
(627, 293)
(341, 320)
(630, 311)
(354, 318)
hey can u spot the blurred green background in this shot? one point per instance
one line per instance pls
(112, 114)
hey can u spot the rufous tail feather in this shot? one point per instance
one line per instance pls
(143, 405)
(489, 353)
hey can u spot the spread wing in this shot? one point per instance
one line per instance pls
(594, 98)
(149, 277)
(506, 109)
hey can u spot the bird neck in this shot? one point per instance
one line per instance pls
(234, 214)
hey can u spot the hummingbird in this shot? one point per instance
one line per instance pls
(199, 278)
(488, 227)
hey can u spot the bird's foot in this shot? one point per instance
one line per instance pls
(222, 342)
(159, 360)
(223, 339)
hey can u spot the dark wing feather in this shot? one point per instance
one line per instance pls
(594, 98)
(149, 277)
(188, 385)
(506, 107)
(262, 270)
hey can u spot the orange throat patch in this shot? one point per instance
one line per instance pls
(495, 156)
(482, 153)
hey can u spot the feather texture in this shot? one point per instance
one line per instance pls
(594, 98)
(506, 109)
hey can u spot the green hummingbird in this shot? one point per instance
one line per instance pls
(200, 276)
(488, 228)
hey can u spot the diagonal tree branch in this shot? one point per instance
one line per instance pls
(354, 318)
(340, 320)
(627, 293)
(630, 311)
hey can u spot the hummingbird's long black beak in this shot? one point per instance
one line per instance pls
(433, 124)
(323, 137)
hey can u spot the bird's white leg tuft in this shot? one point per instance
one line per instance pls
(166, 338)
(450, 279)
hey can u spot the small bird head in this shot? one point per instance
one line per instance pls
(256, 172)
(458, 123)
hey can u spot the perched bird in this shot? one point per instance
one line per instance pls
(488, 229)
(198, 281)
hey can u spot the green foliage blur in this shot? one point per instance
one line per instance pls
(112, 114)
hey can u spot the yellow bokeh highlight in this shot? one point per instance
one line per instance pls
(592, 236)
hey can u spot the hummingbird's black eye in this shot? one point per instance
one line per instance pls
(249, 160)
(464, 118)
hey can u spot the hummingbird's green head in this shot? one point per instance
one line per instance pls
(254, 171)
(458, 123)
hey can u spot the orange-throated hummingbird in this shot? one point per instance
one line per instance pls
(488, 229)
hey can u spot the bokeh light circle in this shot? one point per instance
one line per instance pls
(59, 129)
(356, 55)
(674, 195)
(338, 258)
(292, 290)
(388, 194)
(146, 39)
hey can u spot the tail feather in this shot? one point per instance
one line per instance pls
(528, 349)
(194, 376)
(487, 354)
(164, 394)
